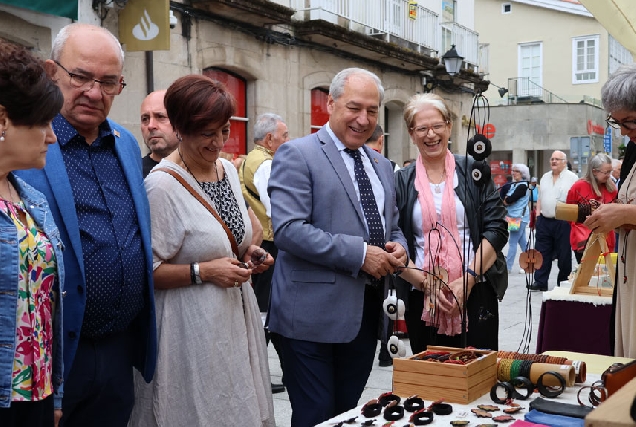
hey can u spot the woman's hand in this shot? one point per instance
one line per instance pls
(609, 216)
(261, 265)
(445, 300)
(224, 272)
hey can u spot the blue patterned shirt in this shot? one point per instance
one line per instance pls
(109, 230)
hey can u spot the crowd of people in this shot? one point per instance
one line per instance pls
(147, 302)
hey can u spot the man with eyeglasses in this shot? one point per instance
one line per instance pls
(156, 130)
(94, 186)
(553, 235)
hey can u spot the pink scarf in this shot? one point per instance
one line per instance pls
(440, 247)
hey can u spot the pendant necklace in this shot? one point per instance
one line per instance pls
(437, 186)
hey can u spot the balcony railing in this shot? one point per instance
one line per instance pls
(466, 42)
(524, 90)
(378, 18)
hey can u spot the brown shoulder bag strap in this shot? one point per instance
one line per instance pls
(205, 204)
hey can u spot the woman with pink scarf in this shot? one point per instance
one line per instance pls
(449, 222)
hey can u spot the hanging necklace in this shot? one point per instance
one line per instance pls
(190, 172)
(438, 188)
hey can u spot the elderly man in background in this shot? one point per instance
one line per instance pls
(157, 131)
(553, 235)
(270, 132)
(376, 143)
(93, 183)
(336, 227)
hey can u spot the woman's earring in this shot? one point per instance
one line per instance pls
(2, 136)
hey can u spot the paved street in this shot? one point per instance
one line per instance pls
(512, 320)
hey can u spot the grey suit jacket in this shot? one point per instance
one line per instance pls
(318, 287)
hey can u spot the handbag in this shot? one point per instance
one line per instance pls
(617, 375)
(201, 200)
(513, 223)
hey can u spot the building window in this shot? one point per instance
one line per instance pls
(319, 113)
(530, 69)
(236, 85)
(618, 55)
(506, 8)
(585, 59)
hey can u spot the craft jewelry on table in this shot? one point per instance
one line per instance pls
(508, 389)
(421, 417)
(596, 396)
(414, 403)
(386, 398)
(393, 412)
(441, 408)
(547, 391)
(522, 383)
(372, 409)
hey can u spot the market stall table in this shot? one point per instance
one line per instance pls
(596, 365)
(577, 323)
(462, 412)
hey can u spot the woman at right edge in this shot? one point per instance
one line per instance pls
(439, 203)
(619, 99)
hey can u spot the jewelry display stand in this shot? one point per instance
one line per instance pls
(596, 245)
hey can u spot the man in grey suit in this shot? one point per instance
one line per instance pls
(335, 224)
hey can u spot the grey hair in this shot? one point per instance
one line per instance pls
(337, 84)
(418, 101)
(265, 123)
(595, 163)
(67, 30)
(615, 162)
(525, 172)
(619, 91)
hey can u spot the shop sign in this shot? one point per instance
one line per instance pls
(144, 25)
(593, 128)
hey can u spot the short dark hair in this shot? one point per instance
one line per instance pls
(28, 94)
(195, 102)
(377, 133)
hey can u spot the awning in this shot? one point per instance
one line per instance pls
(65, 8)
(618, 17)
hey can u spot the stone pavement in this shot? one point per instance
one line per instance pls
(512, 320)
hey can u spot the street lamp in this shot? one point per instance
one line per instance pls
(452, 61)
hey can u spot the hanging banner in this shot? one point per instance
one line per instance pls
(413, 10)
(145, 25)
(64, 8)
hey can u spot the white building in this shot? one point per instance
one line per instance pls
(551, 57)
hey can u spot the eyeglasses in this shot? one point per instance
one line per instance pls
(554, 159)
(436, 128)
(627, 124)
(603, 172)
(86, 83)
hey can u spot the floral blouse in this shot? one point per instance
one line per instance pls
(33, 361)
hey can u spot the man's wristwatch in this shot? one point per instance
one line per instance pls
(195, 277)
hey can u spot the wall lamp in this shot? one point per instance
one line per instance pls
(502, 90)
(452, 61)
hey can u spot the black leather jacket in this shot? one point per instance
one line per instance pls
(485, 220)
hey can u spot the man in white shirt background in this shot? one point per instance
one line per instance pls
(553, 235)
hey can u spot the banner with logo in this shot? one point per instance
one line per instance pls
(65, 8)
(145, 25)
